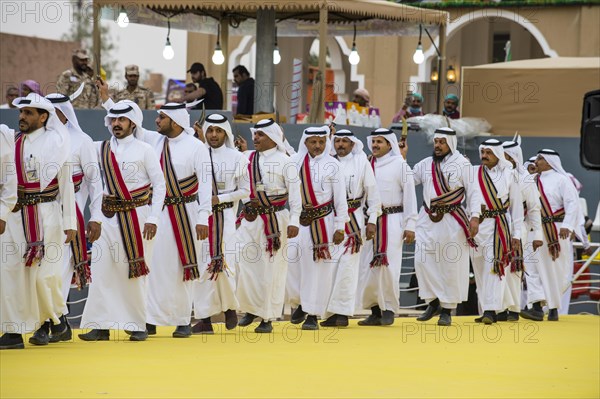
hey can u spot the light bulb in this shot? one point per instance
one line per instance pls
(276, 56)
(218, 58)
(123, 19)
(168, 52)
(354, 58)
(418, 56)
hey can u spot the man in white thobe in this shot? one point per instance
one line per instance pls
(123, 254)
(444, 232)
(262, 234)
(314, 254)
(177, 259)
(87, 181)
(500, 228)
(32, 244)
(395, 226)
(215, 291)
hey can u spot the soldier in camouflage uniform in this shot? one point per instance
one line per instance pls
(70, 80)
(138, 94)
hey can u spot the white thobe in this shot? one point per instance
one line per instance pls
(84, 159)
(360, 182)
(531, 231)
(396, 188)
(32, 295)
(114, 300)
(230, 168)
(310, 282)
(490, 286)
(8, 174)
(554, 274)
(442, 251)
(169, 296)
(261, 282)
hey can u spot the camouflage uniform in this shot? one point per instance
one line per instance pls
(70, 80)
(141, 96)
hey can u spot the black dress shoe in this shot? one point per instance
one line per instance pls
(489, 317)
(445, 318)
(265, 327)
(310, 323)
(61, 328)
(433, 309)
(11, 341)
(247, 320)
(95, 335)
(40, 336)
(532, 314)
(512, 316)
(66, 336)
(151, 329)
(183, 331)
(231, 320)
(387, 318)
(138, 336)
(553, 314)
(204, 326)
(298, 316)
(372, 320)
(336, 320)
(502, 316)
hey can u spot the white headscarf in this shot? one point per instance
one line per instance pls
(345, 133)
(322, 131)
(449, 135)
(496, 147)
(126, 108)
(272, 130)
(221, 121)
(178, 114)
(64, 105)
(513, 149)
(387, 134)
(60, 147)
(553, 159)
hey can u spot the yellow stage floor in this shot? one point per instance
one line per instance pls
(408, 359)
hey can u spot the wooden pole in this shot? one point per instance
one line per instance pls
(225, 67)
(442, 69)
(96, 37)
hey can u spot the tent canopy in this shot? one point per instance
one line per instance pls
(540, 97)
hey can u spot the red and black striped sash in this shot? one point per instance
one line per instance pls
(271, 225)
(81, 273)
(501, 228)
(180, 221)
(34, 234)
(380, 241)
(216, 224)
(318, 228)
(128, 220)
(445, 196)
(548, 219)
(354, 241)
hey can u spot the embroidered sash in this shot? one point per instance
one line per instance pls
(29, 196)
(82, 275)
(180, 221)
(216, 223)
(380, 240)
(128, 220)
(354, 241)
(548, 219)
(271, 225)
(447, 197)
(318, 228)
(501, 229)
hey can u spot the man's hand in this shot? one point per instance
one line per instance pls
(2, 226)
(537, 244)
(403, 145)
(474, 227)
(338, 237)
(149, 231)
(215, 200)
(94, 229)
(408, 237)
(241, 143)
(199, 132)
(564, 233)
(201, 232)
(554, 251)
(588, 251)
(70, 235)
(292, 231)
(514, 243)
(102, 89)
(371, 230)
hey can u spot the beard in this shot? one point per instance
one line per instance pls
(439, 158)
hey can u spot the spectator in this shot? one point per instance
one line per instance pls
(70, 80)
(143, 97)
(362, 97)
(11, 93)
(29, 86)
(189, 89)
(412, 107)
(209, 90)
(451, 106)
(245, 94)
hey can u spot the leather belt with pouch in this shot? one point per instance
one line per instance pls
(252, 210)
(112, 205)
(310, 214)
(491, 213)
(354, 203)
(32, 199)
(388, 210)
(222, 205)
(185, 199)
(553, 219)
(437, 212)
